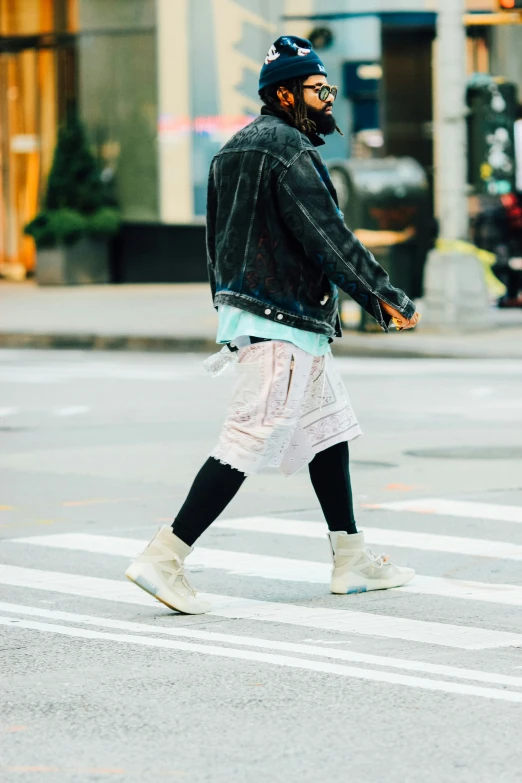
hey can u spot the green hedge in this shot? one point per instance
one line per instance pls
(67, 226)
(77, 203)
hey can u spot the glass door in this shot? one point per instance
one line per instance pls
(21, 152)
(37, 88)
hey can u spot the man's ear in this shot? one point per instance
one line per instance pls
(286, 97)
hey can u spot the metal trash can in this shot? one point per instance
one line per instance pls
(387, 202)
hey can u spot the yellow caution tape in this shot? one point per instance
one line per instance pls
(487, 259)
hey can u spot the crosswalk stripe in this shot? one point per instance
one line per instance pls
(280, 568)
(420, 367)
(8, 411)
(455, 508)
(269, 644)
(341, 620)
(71, 410)
(52, 374)
(430, 542)
(322, 667)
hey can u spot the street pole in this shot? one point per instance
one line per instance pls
(450, 85)
(455, 290)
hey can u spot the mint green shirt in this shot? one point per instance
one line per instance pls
(234, 323)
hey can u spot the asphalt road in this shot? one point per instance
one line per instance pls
(283, 682)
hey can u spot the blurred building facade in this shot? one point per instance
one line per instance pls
(162, 84)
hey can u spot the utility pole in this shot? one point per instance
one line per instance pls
(455, 290)
(450, 129)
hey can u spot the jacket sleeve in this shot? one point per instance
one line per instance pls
(311, 214)
(211, 230)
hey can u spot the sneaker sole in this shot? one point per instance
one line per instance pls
(144, 585)
(367, 587)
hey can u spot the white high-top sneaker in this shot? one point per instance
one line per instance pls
(159, 570)
(357, 570)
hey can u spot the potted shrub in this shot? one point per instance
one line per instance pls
(78, 218)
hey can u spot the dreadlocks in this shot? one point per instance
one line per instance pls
(298, 111)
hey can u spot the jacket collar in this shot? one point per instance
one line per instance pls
(314, 138)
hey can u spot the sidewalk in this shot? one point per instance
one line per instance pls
(181, 318)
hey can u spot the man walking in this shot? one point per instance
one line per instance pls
(278, 249)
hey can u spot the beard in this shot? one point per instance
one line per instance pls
(325, 124)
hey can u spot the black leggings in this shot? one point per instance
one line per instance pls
(216, 484)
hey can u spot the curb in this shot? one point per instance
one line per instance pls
(96, 342)
(382, 349)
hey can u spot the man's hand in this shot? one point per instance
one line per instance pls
(399, 320)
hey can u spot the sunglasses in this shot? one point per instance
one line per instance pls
(323, 92)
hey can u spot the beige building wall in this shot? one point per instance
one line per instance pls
(229, 19)
(174, 136)
(297, 8)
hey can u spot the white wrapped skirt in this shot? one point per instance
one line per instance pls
(286, 407)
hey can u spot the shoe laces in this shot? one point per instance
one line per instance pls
(179, 572)
(376, 560)
(172, 564)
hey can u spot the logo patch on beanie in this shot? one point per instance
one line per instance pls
(272, 55)
(301, 51)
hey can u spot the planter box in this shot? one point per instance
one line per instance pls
(84, 263)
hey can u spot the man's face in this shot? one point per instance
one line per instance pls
(319, 111)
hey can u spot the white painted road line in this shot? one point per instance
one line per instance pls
(72, 410)
(428, 542)
(281, 568)
(270, 644)
(455, 508)
(8, 411)
(64, 373)
(322, 667)
(421, 368)
(342, 620)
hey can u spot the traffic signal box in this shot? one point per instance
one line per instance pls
(491, 136)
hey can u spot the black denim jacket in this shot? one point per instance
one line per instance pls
(277, 244)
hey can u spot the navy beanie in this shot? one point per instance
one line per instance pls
(288, 58)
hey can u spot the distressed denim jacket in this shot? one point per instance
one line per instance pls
(277, 244)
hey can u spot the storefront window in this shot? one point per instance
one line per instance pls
(118, 98)
(37, 17)
(29, 17)
(37, 89)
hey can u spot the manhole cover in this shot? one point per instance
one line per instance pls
(469, 452)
